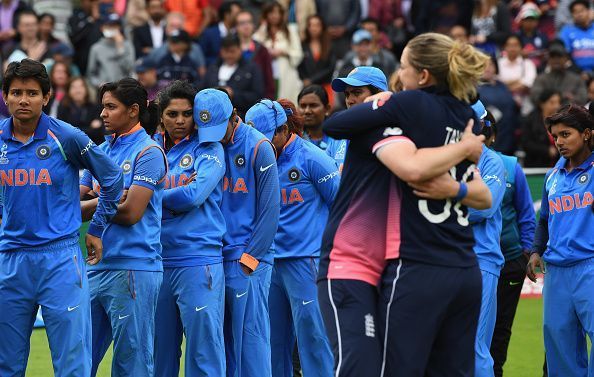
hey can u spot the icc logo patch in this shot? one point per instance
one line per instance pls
(186, 161)
(43, 152)
(294, 175)
(240, 161)
(126, 167)
(584, 178)
(205, 116)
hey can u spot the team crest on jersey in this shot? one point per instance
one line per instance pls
(239, 161)
(294, 175)
(3, 152)
(127, 167)
(584, 178)
(186, 161)
(205, 116)
(43, 152)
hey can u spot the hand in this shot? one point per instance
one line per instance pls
(382, 96)
(438, 188)
(96, 124)
(94, 249)
(534, 262)
(474, 143)
(118, 38)
(124, 197)
(246, 270)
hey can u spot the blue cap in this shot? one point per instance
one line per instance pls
(212, 110)
(479, 109)
(361, 76)
(361, 35)
(266, 116)
(112, 18)
(143, 64)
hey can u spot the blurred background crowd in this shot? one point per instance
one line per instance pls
(542, 51)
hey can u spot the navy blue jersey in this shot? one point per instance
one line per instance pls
(375, 214)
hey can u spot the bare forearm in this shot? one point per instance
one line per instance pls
(479, 195)
(87, 209)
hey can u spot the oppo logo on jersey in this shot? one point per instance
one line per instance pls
(294, 197)
(24, 177)
(173, 181)
(568, 203)
(234, 186)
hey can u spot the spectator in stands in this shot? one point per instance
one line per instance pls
(516, 72)
(241, 79)
(341, 17)
(559, 78)
(319, 60)
(535, 43)
(283, 44)
(177, 64)
(590, 88)
(537, 142)
(210, 40)
(196, 12)
(146, 72)
(491, 24)
(27, 43)
(499, 101)
(440, 15)
(9, 9)
(393, 18)
(579, 36)
(175, 21)
(151, 34)
(379, 47)
(78, 109)
(299, 11)
(84, 31)
(136, 13)
(112, 57)
(47, 23)
(361, 54)
(254, 51)
(60, 76)
(459, 33)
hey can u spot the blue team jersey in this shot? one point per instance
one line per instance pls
(309, 181)
(333, 148)
(192, 226)
(567, 208)
(39, 184)
(251, 195)
(580, 44)
(135, 247)
(486, 223)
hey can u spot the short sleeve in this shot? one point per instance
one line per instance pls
(150, 168)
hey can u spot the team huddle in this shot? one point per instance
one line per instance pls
(371, 242)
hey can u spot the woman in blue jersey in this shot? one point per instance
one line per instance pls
(564, 240)
(41, 264)
(192, 296)
(314, 107)
(309, 181)
(125, 284)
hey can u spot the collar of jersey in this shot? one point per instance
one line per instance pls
(127, 137)
(190, 137)
(585, 165)
(40, 131)
(238, 131)
(289, 147)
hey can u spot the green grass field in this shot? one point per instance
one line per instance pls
(525, 356)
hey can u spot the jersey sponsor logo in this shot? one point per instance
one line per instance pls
(341, 152)
(3, 151)
(142, 178)
(234, 186)
(126, 166)
(392, 131)
(172, 181)
(328, 177)
(369, 326)
(293, 197)
(584, 178)
(87, 147)
(24, 177)
(211, 157)
(567, 203)
(492, 177)
(239, 161)
(294, 175)
(43, 152)
(186, 161)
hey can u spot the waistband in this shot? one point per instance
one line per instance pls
(56, 245)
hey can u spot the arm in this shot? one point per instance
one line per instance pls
(209, 166)
(522, 202)
(541, 235)
(295, 51)
(492, 173)
(148, 173)
(268, 203)
(325, 177)
(92, 67)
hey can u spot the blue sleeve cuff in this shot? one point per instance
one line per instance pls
(95, 230)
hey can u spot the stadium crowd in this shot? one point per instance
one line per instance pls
(249, 127)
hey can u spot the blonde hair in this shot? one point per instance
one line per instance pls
(454, 64)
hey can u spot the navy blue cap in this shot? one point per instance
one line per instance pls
(361, 76)
(143, 65)
(266, 116)
(212, 110)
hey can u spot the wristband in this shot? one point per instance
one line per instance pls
(462, 191)
(249, 261)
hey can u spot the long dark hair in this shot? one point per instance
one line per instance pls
(573, 116)
(268, 8)
(67, 100)
(316, 89)
(324, 38)
(129, 92)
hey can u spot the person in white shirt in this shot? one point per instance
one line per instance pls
(517, 73)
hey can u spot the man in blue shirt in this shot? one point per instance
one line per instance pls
(40, 261)
(251, 202)
(579, 37)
